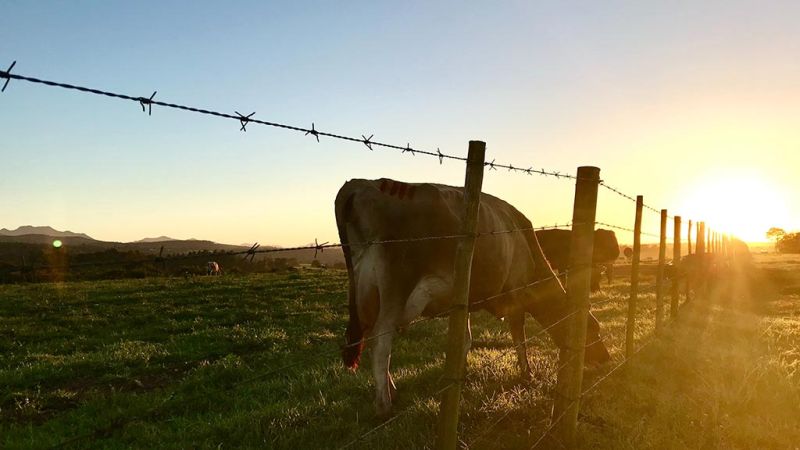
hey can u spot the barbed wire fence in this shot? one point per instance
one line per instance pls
(571, 359)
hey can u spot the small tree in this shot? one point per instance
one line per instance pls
(775, 235)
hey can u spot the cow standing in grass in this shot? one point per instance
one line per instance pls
(391, 284)
(213, 269)
(556, 247)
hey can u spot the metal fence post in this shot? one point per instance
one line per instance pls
(457, 343)
(676, 266)
(662, 260)
(570, 377)
(637, 250)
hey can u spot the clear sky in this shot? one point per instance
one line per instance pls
(695, 106)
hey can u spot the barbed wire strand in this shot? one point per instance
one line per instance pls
(621, 228)
(244, 120)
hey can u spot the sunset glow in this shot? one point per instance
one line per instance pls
(744, 204)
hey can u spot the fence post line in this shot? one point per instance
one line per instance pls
(457, 343)
(676, 262)
(637, 250)
(662, 260)
(570, 377)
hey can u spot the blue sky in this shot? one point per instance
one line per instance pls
(671, 100)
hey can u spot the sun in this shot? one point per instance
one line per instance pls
(745, 205)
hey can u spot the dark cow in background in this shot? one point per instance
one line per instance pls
(710, 271)
(556, 247)
(392, 284)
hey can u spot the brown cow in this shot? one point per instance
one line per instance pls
(555, 245)
(392, 284)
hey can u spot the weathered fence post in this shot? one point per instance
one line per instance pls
(662, 260)
(689, 239)
(688, 252)
(457, 342)
(637, 250)
(700, 246)
(570, 377)
(676, 263)
(709, 240)
(725, 240)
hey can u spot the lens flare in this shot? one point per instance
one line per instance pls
(57, 243)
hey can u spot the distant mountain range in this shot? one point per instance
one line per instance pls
(158, 239)
(14, 243)
(45, 230)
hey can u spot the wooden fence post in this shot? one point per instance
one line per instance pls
(688, 285)
(689, 239)
(709, 240)
(637, 250)
(457, 342)
(725, 240)
(662, 260)
(700, 247)
(570, 377)
(676, 267)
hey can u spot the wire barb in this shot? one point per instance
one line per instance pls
(149, 102)
(251, 252)
(408, 149)
(367, 141)
(313, 132)
(319, 247)
(7, 75)
(441, 156)
(243, 119)
(491, 165)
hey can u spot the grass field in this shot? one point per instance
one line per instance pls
(202, 363)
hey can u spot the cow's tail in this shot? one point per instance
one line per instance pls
(354, 336)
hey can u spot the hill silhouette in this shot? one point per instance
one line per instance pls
(41, 230)
(78, 251)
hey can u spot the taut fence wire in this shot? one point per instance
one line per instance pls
(147, 103)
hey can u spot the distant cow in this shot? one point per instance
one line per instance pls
(392, 284)
(556, 247)
(212, 268)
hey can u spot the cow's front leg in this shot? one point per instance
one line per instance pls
(516, 322)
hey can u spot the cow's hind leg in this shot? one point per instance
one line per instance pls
(516, 323)
(381, 357)
(429, 289)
